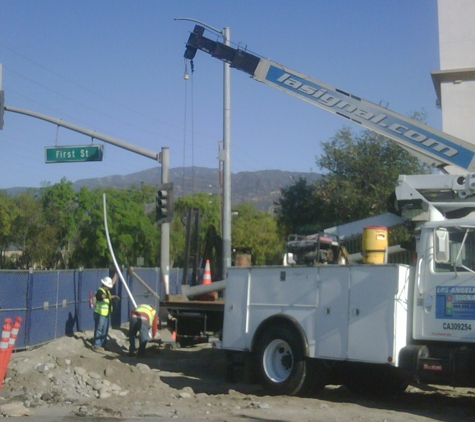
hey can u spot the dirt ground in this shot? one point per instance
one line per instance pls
(66, 380)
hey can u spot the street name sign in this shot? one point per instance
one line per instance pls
(74, 154)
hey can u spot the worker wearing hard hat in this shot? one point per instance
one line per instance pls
(142, 319)
(102, 312)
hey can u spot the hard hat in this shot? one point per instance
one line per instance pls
(107, 281)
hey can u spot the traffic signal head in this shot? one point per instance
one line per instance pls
(164, 203)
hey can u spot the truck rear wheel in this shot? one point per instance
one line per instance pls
(281, 361)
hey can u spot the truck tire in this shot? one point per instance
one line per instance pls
(281, 363)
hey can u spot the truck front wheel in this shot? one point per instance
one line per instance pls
(281, 361)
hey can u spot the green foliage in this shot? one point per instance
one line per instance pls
(362, 172)
(133, 234)
(62, 228)
(7, 213)
(58, 202)
(297, 209)
(257, 230)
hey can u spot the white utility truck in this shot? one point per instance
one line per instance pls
(373, 328)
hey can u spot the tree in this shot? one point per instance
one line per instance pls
(58, 203)
(131, 229)
(257, 230)
(7, 215)
(297, 208)
(362, 170)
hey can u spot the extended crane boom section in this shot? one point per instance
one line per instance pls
(431, 145)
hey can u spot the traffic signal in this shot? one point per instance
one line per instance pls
(164, 203)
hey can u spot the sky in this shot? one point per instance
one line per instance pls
(116, 67)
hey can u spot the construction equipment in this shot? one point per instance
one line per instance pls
(371, 327)
(313, 249)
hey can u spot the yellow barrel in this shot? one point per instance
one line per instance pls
(375, 243)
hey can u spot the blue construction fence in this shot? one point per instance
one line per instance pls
(53, 304)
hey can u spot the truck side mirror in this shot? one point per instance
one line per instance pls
(441, 246)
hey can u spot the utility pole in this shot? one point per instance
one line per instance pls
(227, 160)
(165, 241)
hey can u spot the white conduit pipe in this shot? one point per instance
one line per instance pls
(117, 269)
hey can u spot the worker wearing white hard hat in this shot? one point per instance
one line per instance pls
(103, 311)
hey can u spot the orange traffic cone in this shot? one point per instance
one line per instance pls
(207, 280)
(207, 274)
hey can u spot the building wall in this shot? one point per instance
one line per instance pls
(457, 63)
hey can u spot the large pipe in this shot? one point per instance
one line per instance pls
(193, 291)
(117, 269)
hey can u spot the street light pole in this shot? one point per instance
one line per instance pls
(226, 219)
(227, 161)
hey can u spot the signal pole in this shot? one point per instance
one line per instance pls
(165, 240)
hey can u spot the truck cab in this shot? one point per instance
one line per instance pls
(441, 347)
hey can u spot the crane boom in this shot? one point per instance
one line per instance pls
(429, 144)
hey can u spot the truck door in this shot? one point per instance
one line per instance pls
(445, 290)
(332, 317)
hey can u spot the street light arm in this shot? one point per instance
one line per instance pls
(202, 23)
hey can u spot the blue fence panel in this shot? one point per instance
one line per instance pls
(43, 289)
(151, 277)
(125, 302)
(175, 279)
(13, 300)
(67, 302)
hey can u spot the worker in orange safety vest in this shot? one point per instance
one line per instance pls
(143, 319)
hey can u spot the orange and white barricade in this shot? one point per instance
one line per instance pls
(6, 330)
(13, 336)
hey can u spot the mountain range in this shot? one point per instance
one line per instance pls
(260, 188)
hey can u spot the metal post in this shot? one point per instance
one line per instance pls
(165, 241)
(227, 160)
